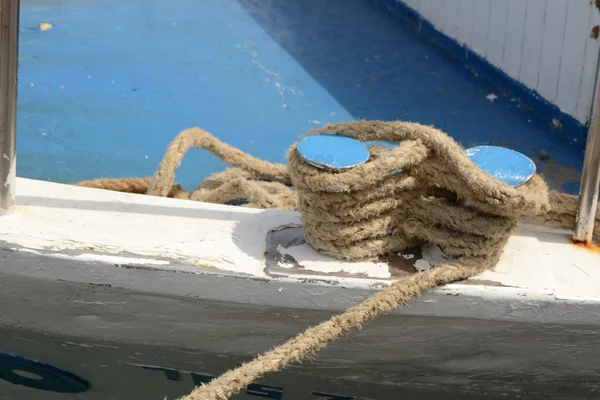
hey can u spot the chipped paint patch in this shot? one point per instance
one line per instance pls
(310, 260)
(491, 97)
(432, 257)
(290, 257)
(288, 254)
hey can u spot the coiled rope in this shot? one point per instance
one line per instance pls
(365, 212)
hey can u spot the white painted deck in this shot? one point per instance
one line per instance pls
(96, 225)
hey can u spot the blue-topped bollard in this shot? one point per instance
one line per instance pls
(333, 152)
(339, 153)
(506, 165)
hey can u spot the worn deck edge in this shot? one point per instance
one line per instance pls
(63, 236)
(47, 276)
(506, 85)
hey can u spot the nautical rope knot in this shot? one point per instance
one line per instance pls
(373, 208)
(426, 190)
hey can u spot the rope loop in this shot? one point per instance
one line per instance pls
(439, 197)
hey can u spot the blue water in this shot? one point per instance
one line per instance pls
(104, 91)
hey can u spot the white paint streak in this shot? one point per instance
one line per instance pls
(78, 344)
(491, 97)
(552, 48)
(480, 25)
(102, 258)
(497, 32)
(465, 24)
(572, 61)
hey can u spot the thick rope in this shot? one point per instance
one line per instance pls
(365, 212)
(315, 338)
(262, 183)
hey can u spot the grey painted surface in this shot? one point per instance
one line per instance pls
(96, 320)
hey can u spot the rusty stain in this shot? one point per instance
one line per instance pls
(597, 4)
(556, 124)
(265, 255)
(595, 32)
(593, 247)
(209, 266)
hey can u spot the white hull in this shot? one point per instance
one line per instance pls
(192, 291)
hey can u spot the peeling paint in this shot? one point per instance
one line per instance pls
(307, 258)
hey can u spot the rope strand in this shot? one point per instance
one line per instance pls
(315, 338)
(366, 212)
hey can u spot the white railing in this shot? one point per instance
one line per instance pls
(9, 46)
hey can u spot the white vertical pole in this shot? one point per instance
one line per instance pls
(9, 50)
(590, 180)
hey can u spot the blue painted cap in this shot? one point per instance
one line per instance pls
(506, 165)
(333, 152)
